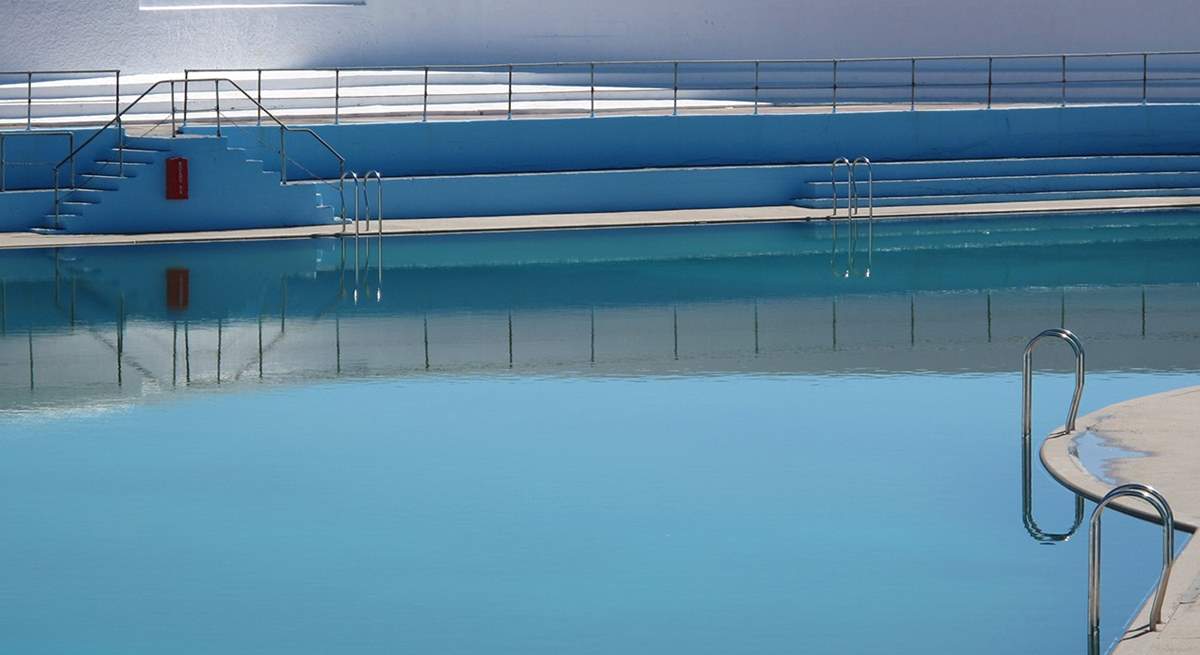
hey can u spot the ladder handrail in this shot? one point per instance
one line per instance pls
(379, 199)
(283, 128)
(1160, 504)
(342, 189)
(1027, 379)
(833, 178)
(870, 204)
(1031, 525)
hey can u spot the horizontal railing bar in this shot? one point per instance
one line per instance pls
(665, 62)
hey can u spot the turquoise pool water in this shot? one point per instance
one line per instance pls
(700, 440)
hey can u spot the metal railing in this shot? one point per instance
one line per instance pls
(1027, 431)
(1167, 517)
(30, 80)
(854, 196)
(5, 163)
(116, 122)
(594, 88)
(589, 88)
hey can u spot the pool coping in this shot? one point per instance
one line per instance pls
(1060, 456)
(600, 220)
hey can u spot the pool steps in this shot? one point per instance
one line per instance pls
(140, 165)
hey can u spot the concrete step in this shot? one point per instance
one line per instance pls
(955, 168)
(1012, 184)
(903, 201)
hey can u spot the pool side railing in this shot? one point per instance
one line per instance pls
(648, 87)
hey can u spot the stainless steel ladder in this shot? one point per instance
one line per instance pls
(1167, 517)
(870, 205)
(362, 208)
(1027, 432)
(853, 209)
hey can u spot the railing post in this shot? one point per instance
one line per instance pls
(186, 86)
(510, 90)
(1064, 80)
(425, 98)
(71, 145)
(337, 96)
(989, 89)
(173, 125)
(282, 156)
(912, 106)
(217, 91)
(117, 99)
(835, 85)
(757, 66)
(29, 101)
(592, 75)
(675, 90)
(258, 92)
(1145, 77)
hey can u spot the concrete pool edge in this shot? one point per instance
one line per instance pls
(662, 218)
(1142, 426)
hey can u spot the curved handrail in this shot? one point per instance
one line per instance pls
(843, 161)
(283, 127)
(1160, 504)
(1030, 523)
(1027, 379)
(870, 205)
(342, 190)
(379, 199)
(833, 178)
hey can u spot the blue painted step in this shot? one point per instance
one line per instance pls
(122, 192)
(906, 201)
(1012, 184)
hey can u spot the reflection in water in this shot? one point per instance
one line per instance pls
(81, 325)
(641, 500)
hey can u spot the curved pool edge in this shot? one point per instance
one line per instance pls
(1148, 426)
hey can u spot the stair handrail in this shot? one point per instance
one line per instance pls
(1160, 504)
(1076, 345)
(283, 129)
(870, 205)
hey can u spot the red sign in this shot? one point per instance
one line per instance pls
(178, 288)
(177, 178)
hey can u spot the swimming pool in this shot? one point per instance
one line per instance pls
(702, 439)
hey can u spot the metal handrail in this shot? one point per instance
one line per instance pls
(1160, 504)
(673, 68)
(1027, 432)
(283, 129)
(342, 186)
(870, 205)
(379, 199)
(29, 75)
(833, 168)
(4, 162)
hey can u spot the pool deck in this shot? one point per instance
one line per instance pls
(1160, 435)
(418, 226)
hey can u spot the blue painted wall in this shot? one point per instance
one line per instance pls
(566, 165)
(500, 146)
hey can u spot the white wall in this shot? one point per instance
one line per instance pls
(55, 34)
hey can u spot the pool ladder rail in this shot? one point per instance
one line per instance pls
(853, 209)
(362, 212)
(1135, 490)
(1041, 536)
(1167, 518)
